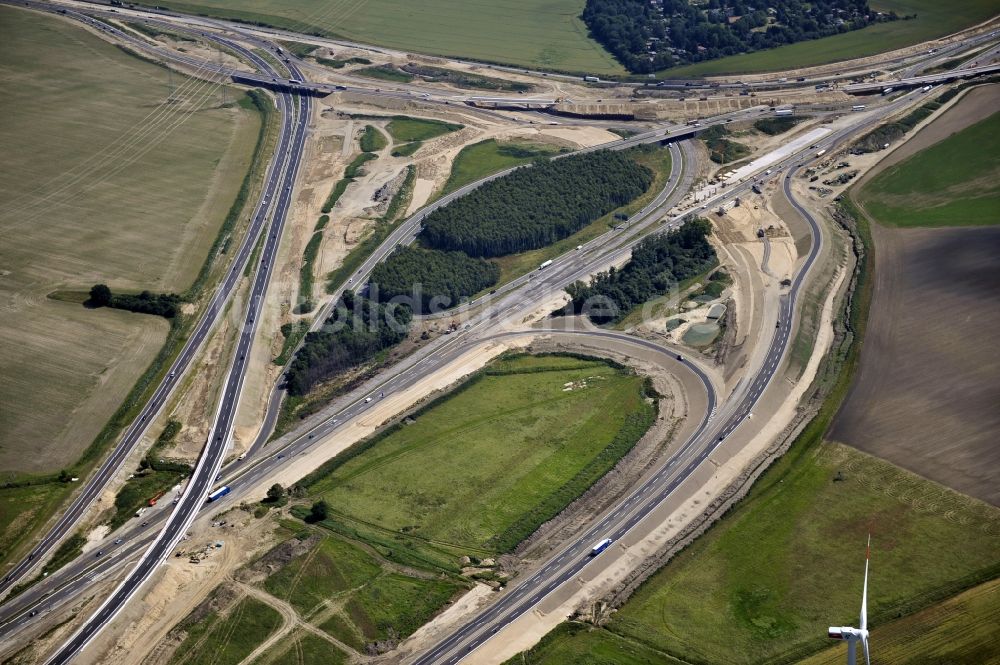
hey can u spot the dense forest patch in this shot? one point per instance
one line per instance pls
(534, 207)
(646, 37)
(356, 331)
(658, 263)
(427, 275)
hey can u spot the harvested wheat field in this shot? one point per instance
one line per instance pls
(927, 391)
(104, 182)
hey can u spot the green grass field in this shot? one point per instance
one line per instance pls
(226, 640)
(404, 130)
(574, 643)
(22, 507)
(955, 182)
(479, 470)
(531, 33)
(356, 597)
(962, 629)
(764, 584)
(481, 159)
(303, 648)
(934, 19)
(77, 208)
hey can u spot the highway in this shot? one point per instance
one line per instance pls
(511, 300)
(436, 355)
(96, 483)
(568, 564)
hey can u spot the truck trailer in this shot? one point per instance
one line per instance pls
(600, 547)
(219, 493)
(545, 265)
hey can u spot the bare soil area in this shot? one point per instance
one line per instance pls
(925, 397)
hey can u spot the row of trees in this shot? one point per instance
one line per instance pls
(357, 329)
(645, 37)
(657, 265)
(534, 207)
(158, 304)
(432, 279)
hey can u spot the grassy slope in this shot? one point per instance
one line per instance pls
(476, 463)
(934, 19)
(369, 600)
(722, 601)
(404, 130)
(531, 33)
(148, 225)
(303, 648)
(218, 640)
(959, 630)
(955, 182)
(481, 159)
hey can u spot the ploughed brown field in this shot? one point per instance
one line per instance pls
(927, 392)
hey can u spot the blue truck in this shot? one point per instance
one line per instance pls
(219, 493)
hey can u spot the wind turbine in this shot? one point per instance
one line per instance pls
(854, 635)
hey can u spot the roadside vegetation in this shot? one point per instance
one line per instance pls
(216, 638)
(776, 125)
(541, 429)
(385, 73)
(303, 648)
(404, 129)
(722, 150)
(890, 132)
(956, 182)
(354, 593)
(355, 332)
(466, 80)
(340, 63)
(490, 156)
(658, 264)
(372, 140)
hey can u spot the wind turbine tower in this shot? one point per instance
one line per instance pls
(854, 635)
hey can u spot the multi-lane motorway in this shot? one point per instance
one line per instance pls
(98, 481)
(274, 204)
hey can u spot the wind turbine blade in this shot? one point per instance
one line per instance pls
(864, 592)
(864, 645)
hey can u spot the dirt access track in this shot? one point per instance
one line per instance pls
(927, 391)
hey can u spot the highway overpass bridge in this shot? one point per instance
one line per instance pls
(920, 81)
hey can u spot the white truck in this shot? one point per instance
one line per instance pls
(600, 546)
(545, 265)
